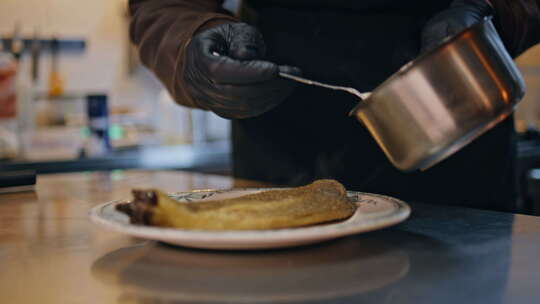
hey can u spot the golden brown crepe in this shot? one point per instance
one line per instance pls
(319, 202)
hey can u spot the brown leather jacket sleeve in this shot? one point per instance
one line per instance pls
(162, 29)
(519, 23)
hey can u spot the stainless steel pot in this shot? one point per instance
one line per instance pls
(441, 101)
(444, 99)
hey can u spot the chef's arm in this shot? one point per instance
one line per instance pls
(207, 59)
(162, 29)
(519, 23)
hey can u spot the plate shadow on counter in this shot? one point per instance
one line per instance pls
(160, 273)
(405, 264)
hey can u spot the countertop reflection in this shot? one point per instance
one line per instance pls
(160, 273)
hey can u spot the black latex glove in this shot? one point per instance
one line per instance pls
(460, 15)
(225, 73)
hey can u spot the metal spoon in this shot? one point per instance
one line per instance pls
(353, 91)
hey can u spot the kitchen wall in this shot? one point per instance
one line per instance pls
(103, 67)
(103, 24)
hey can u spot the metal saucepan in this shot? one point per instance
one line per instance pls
(443, 100)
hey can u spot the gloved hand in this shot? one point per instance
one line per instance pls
(460, 15)
(225, 73)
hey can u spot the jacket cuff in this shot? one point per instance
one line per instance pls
(215, 22)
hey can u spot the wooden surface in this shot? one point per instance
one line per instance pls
(51, 253)
(48, 245)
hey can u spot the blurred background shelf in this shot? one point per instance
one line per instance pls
(210, 157)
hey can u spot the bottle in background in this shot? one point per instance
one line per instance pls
(98, 142)
(172, 122)
(8, 106)
(8, 72)
(56, 83)
(26, 106)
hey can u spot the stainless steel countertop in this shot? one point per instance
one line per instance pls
(51, 253)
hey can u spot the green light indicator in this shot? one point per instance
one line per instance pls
(116, 132)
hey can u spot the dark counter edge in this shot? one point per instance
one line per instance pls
(212, 157)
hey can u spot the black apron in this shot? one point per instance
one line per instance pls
(309, 136)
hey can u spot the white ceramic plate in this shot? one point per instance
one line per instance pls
(373, 212)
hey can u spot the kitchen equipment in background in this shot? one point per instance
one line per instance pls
(17, 181)
(8, 140)
(17, 43)
(8, 74)
(35, 52)
(98, 142)
(176, 124)
(531, 194)
(218, 128)
(26, 107)
(71, 45)
(26, 95)
(8, 107)
(172, 122)
(56, 83)
(444, 99)
(199, 121)
(208, 127)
